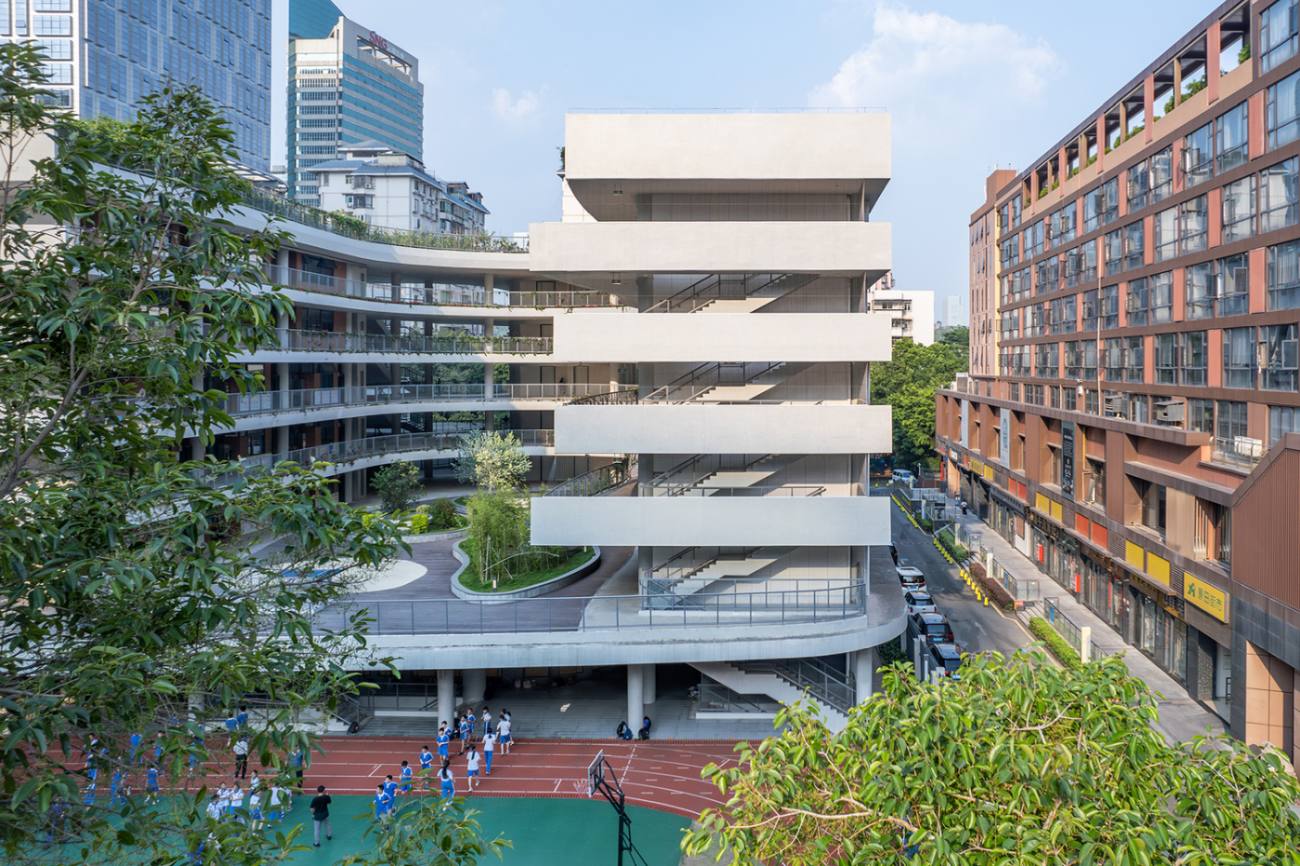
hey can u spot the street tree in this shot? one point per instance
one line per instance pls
(1017, 763)
(129, 601)
(907, 383)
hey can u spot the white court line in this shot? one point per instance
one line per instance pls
(557, 786)
(374, 770)
(628, 765)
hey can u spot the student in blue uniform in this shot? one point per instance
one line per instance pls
(466, 732)
(447, 781)
(390, 787)
(241, 718)
(158, 747)
(489, 746)
(136, 739)
(426, 758)
(151, 784)
(406, 777)
(116, 792)
(382, 804)
(444, 743)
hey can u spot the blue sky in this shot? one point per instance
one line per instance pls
(971, 86)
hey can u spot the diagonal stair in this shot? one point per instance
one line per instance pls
(772, 684)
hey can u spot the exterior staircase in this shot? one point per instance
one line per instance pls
(724, 567)
(777, 287)
(779, 681)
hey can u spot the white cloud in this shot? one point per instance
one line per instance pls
(507, 106)
(923, 61)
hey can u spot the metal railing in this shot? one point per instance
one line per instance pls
(756, 490)
(374, 446)
(1241, 451)
(439, 295)
(298, 399)
(823, 682)
(604, 613)
(598, 480)
(662, 593)
(619, 397)
(1067, 628)
(457, 343)
(714, 698)
(286, 208)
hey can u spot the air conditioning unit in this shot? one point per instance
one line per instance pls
(1114, 406)
(1170, 411)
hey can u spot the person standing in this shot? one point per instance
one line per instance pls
(406, 777)
(296, 759)
(487, 720)
(136, 739)
(470, 719)
(241, 718)
(151, 784)
(466, 732)
(241, 757)
(503, 734)
(471, 768)
(426, 758)
(320, 816)
(489, 745)
(275, 802)
(447, 781)
(158, 747)
(444, 743)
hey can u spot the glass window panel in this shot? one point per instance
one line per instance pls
(1282, 111)
(1279, 192)
(1279, 365)
(1239, 209)
(1166, 234)
(1239, 358)
(1198, 155)
(1277, 34)
(1283, 283)
(1199, 290)
(1231, 132)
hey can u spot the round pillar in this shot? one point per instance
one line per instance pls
(864, 668)
(473, 685)
(446, 696)
(648, 683)
(635, 696)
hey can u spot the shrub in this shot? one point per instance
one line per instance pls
(442, 515)
(950, 544)
(418, 523)
(1056, 645)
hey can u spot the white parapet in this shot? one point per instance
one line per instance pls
(849, 247)
(711, 521)
(584, 337)
(691, 428)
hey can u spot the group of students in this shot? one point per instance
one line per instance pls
(265, 803)
(470, 730)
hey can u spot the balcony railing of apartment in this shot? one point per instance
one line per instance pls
(454, 343)
(603, 613)
(599, 480)
(1243, 452)
(620, 397)
(375, 446)
(755, 490)
(275, 205)
(441, 295)
(299, 399)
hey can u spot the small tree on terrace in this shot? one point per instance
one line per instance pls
(1020, 763)
(396, 484)
(492, 461)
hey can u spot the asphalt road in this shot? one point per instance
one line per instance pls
(976, 627)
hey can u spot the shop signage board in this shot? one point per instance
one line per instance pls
(1206, 596)
(1067, 458)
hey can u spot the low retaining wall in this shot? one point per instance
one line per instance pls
(459, 590)
(996, 591)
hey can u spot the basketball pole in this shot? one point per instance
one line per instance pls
(612, 791)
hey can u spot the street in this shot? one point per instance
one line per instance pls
(977, 628)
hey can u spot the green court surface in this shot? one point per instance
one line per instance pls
(544, 832)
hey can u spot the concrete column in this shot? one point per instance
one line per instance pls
(446, 696)
(474, 684)
(489, 283)
(864, 668)
(635, 695)
(197, 450)
(282, 330)
(647, 684)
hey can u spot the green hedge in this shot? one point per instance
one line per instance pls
(950, 544)
(1057, 645)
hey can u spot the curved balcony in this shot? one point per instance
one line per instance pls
(325, 346)
(339, 457)
(303, 405)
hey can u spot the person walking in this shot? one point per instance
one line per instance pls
(275, 802)
(489, 746)
(136, 739)
(320, 816)
(426, 758)
(383, 803)
(447, 781)
(297, 759)
(471, 768)
(406, 777)
(241, 757)
(444, 743)
(241, 718)
(151, 784)
(390, 787)
(487, 720)
(466, 732)
(503, 735)
(470, 719)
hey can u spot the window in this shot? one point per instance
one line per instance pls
(1211, 537)
(1063, 225)
(1231, 133)
(1033, 240)
(1166, 234)
(1198, 155)
(1139, 186)
(1162, 174)
(1193, 358)
(1229, 426)
(1134, 359)
(1112, 359)
(1194, 225)
(1166, 359)
(1239, 358)
(1151, 497)
(1081, 359)
(1281, 421)
(1094, 481)
(1277, 34)
(1284, 276)
(359, 201)
(1049, 275)
(1011, 252)
(1282, 111)
(1112, 251)
(1239, 209)
(1200, 416)
(1279, 365)
(1279, 190)
(52, 5)
(1138, 302)
(1110, 307)
(1062, 319)
(1134, 241)
(1162, 297)
(1233, 277)
(1101, 205)
(1199, 290)
(1047, 360)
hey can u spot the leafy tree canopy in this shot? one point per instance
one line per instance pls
(908, 382)
(1019, 763)
(130, 601)
(396, 484)
(492, 460)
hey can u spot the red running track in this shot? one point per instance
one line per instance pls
(658, 774)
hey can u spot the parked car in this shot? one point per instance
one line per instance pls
(919, 601)
(933, 627)
(945, 659)
(911, 577)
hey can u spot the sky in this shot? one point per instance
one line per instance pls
(971, 86)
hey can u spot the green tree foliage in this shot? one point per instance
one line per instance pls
(1019, 763)
(908, 382)
(492, 460)
(396, 484)
(128, 602)
(498, 530)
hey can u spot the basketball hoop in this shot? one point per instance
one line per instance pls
(596, 773)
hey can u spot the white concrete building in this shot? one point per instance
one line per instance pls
(392, 190)
(911, 313)
(690, 346)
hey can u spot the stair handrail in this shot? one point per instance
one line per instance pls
(694, 288)
(661, 393)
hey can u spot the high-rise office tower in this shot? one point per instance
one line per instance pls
(105, 56)
(347, 85)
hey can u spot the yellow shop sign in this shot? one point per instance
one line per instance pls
(1207, 597)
